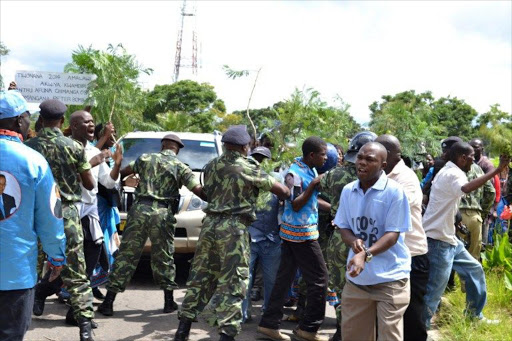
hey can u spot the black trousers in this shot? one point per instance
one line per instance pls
(414, 323)
(15, 313)
(307, 256)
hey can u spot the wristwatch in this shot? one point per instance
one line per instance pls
(369, 255)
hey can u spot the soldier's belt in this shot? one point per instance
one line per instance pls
(244, 219)
(159, 203)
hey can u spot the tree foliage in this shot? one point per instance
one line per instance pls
(420, 121)
(4, 51)
(495, 126)
(184, 106)
(115, 94)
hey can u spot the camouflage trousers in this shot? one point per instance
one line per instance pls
(158, 223)
(220, 272)
(337, 254)
(73, 273)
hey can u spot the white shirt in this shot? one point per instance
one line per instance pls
(383, 208)
(416, 240)
(101, 174)
(445, 195)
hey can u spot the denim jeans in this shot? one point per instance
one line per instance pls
(268, 255)
(443, 257)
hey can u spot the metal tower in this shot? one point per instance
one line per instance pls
(186, 56)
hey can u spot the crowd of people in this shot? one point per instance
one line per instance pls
(357, 229)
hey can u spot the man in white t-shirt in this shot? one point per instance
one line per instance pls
(444, 249)
(373, 216)
(416, 240)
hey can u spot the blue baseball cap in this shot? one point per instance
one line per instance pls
(12, 104)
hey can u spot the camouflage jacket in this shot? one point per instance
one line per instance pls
(480, 199)
(232, 182)
(333, 182)
(66, 158)
(162, 175)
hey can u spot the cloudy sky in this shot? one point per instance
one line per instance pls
(359, 50)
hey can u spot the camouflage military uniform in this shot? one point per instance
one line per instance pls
(221, 262)
(161, 177)
(337, 252)
(473, 207)
(67, 159)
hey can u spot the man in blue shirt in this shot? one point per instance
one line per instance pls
(300, 247)
(373, 215)
(27, 178)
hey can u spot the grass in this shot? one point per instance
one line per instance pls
(454, 326)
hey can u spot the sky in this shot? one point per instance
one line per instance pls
(357, 50)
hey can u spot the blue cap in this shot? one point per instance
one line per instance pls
(236, 135)
(12, 104)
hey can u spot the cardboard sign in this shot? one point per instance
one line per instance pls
(38, 86)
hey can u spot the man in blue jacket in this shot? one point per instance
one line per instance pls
(29, 180)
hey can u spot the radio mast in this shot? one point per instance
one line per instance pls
(186, 55)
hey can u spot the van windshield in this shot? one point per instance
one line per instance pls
(195, 154)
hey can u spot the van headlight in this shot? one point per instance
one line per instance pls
(196, 203)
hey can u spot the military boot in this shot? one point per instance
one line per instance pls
(169, 305)
(225, 337)
(183, 330)
(38, 308)
(70, 319)
(107, 306)
(85, 329)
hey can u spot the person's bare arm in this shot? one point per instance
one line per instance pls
(303, 198)
(118, 158)
(324, 205)
(280, 190)
(107, 133)
(126, 171)
(87, 179)
(481, 180)
(198, 190)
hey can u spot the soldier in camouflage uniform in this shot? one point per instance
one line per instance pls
(69, 165)
(474, 207)
(221, 263)
(152, 215)
(337, 252)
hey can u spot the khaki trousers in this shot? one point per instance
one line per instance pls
(473, 221)
(362, 305)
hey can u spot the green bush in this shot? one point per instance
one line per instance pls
(499, 258)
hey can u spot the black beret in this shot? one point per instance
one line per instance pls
(450, 141)
(175, 138)
(262, 151)
(52, 109)
(237, 135)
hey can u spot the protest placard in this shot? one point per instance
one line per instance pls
(38, 86)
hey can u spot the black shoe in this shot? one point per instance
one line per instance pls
(70, 319)
(38, 308)
(183, 330)
(255, 295)
(169, 305)
(337, 335)
(224, 337)
(98, 294)
(107, 306)
(85, 329)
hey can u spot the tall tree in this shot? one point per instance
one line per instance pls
(184, 106)
(455, 117)
(115, 94)
(409, 117)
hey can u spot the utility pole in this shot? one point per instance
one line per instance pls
(186, 56)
